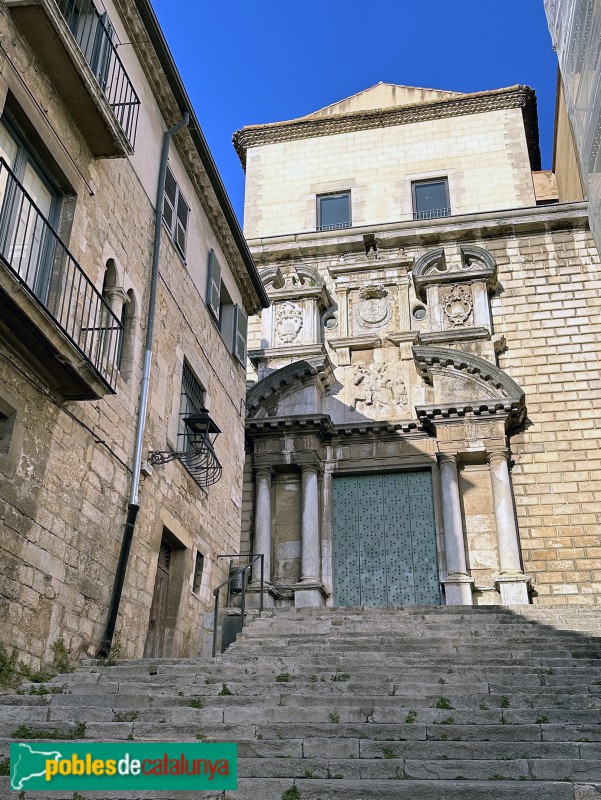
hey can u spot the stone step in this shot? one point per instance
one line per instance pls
(391, 768)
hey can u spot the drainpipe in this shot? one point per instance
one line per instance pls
(133, 506)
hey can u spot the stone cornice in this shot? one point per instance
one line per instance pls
(320, 424)
(480, 226)
(475, 103)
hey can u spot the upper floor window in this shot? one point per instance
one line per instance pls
(29, 208)
(333, 211)
(231, 319)
(431, 199)
(176, 212)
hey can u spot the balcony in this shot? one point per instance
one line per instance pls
(74, 42)
(434, 213)
(50, 312)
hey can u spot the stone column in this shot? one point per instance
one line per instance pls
(310, 590)
(512, 583)
(262, 542)
(458, 584)
(309, 525)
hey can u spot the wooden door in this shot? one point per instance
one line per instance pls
(155, 640)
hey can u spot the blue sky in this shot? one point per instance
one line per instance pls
(269, 60)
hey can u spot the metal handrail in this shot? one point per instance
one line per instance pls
(94, 35)
(37, 257)
(253, 558)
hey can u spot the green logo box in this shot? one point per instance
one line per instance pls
(122, 766)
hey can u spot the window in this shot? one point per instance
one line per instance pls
(431, 199)
(176, 213)
(231, 319)
(192, 401)
(333, 211)
(198, 570)
(26, 240)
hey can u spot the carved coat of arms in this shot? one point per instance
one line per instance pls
(288, 322)
(374, 309)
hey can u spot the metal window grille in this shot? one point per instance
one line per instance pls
(191, 402)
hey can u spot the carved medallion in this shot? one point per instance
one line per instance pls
(458, 306)
(288, 322)
(374, 309)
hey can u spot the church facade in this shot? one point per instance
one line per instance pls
(422, 414)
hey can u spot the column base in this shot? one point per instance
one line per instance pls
(514, 589)
(253, 595)
(458, 590)
(309, 594)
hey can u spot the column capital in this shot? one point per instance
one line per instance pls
(116, 293)
(497, 454)
(447, 458)
(311, 467)
(263, 470)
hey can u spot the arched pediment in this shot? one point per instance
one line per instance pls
(265, 396)
(464, 382)
(476, 264)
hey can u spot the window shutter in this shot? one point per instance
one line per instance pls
(214, 285)
(181, 223)
(240, 334)
(169, 200)
(107, 34)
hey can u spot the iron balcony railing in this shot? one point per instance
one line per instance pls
(338, 226)
(94, 34)
(434, 213)
(33, 252)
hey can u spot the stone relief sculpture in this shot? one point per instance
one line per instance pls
(458, 305)
(288, 322)
(374, 309)
(379, 391)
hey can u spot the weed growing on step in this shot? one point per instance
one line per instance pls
(441, 680)
(542, 720)
(78, 796)
(283, 677)
(5, 766)
(448, 721)
(309, 773)
(126, 716)
(505, 702)
(411, 717)
(337, 776)
(225, 692)
(334, 717)
(62, 660)
(342, 677)
(292, 793)
(443, 702)
(484, 707)
(196, 702)
(180, 693)
(496, 778)
(201, 737)
(130, 737)
(388, 752)
(313, 678)
(25, 732)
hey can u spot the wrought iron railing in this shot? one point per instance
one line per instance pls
(338, 226)
(94, 34)
(34, 253)
(239, 575)
(434, 213)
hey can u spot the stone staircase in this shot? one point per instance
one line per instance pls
(413, 703)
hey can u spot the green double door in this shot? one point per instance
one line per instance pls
(385, 540)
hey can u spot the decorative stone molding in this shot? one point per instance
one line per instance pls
(458, 335)
(287, 380)
(473, 103)
(427, 358)
(365, 342)
(433, 269)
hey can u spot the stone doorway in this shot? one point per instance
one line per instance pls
(385, 540)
